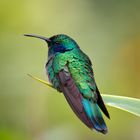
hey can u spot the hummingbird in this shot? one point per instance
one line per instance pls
(70, 71)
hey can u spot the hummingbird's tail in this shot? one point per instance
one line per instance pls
(93, 112)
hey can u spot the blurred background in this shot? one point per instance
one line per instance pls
(108, 31)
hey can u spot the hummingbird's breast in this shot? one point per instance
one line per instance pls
(50, 71)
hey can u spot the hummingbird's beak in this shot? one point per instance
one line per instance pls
(37, 36)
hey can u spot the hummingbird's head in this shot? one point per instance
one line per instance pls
(58, 43)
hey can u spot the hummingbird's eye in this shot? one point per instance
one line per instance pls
(57, 42)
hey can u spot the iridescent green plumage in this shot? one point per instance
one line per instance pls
(70, 71)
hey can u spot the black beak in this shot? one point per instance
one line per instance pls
(37, 36)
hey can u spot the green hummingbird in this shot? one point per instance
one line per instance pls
(70, 71)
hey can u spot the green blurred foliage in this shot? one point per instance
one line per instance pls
(108, 31)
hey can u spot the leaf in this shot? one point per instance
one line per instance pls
(131, 105)
(40, 80)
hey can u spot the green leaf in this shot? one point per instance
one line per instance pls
(131, 105)
(40, 80)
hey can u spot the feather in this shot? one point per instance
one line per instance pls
(73, 96)
(101, 104)
(87, 111)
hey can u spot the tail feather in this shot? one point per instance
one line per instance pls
(94, 115)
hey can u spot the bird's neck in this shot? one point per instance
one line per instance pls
(58, 49)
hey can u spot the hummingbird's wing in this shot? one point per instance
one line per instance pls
(101, 104)
(87, 111)
(73, 96)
